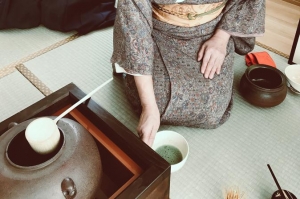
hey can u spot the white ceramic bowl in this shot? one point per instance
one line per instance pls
(176, 140)
(292, 73)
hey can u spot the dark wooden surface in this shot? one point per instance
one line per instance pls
(296, 43)
(153, 182)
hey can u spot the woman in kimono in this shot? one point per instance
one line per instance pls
(178, 57)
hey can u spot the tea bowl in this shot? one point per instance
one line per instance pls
(292, 73)
(173, 147)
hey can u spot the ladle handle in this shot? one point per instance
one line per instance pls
(80, 101)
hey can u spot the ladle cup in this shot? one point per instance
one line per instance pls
(43, 134)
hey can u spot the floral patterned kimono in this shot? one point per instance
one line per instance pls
(147, 46)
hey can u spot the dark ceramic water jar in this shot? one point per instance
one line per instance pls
(72, 170)
(263, 86)
(277, 195)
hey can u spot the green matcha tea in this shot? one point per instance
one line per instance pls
(170, 153)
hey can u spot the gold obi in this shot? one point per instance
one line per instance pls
(187, 15)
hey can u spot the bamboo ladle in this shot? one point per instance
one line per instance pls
(43, 135)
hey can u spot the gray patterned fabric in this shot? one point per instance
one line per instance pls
(169, 53)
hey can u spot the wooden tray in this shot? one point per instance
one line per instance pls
(131, 169)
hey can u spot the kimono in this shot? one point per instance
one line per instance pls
(147, 46)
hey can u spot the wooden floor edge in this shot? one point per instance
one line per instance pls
(294, 2)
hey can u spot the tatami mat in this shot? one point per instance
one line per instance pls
(237, 153)
(85, 62)
(233, 155)
(19, 43)
(16, 94)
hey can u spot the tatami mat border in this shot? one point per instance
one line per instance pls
(18, 65)
(272, 49)
(12, 67)
(34, 80)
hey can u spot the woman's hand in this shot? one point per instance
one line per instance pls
(213, 52)
(150, 117)
(149, 124)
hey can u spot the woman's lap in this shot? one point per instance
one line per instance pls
(184, 97)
